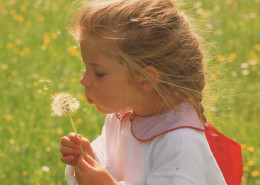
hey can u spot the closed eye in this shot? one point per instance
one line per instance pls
(100, 74)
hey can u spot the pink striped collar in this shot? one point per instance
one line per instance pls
(148, 128)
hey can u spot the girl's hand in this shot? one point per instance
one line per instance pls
(89, 172)
(70, 148)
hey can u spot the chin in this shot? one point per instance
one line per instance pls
(104, 111)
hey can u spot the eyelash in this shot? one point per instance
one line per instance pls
(99, 74)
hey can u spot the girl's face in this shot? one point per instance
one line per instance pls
(107, 83)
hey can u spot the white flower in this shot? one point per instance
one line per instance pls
(64, 103)
(45, 168)
(244, 65)
(245, 72)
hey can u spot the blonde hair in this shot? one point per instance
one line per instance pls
(150, 33)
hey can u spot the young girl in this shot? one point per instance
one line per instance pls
(144, 69)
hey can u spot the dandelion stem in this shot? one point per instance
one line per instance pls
(72, 124)
(75, 131)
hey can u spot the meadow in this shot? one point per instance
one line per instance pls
(38, 58)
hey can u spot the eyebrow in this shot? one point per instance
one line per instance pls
(91, 63)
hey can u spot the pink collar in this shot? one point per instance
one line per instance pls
(148, 128)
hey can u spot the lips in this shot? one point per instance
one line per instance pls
(90, 101)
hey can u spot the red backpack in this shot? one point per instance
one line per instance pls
(227, 154)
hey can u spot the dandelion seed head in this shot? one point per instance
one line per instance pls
(64, 103)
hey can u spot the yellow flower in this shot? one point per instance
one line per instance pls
(250, 149)
(4, 66)
(18, 41)
(35, 84)
(72, 80)
(257, 1)
(54, 35)
(56, 94)
(255, 173)
(59, 131)
(46, 40)
(54, 7)
(245, 169)
(68, 6)
(9, 79)
(43, 47)
(10, 45)
(257, 47)
(218, 72)
(250, 163)
(231, 57)
(12, 12)
(26, 50)
(10, 2)
(243, 146)
(214, 97)
(25, 173)
(73, 51)
(79, 121)
(23, 8)
(221, 58)
(16, 51)
(9, 118)
(22, 53)
(14, 73)
(18, 18)
(213, 76)
(26, 3)
(82, 98)
(40, 18)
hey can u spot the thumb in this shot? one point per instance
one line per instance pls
(90, 160)
(87, 147)
(82, 164)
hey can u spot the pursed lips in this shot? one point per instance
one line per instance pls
(90, 101)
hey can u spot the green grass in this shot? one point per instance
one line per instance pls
(35, 46)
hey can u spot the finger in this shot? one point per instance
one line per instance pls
(67, 142)
(68, 150)
(83, 165)
(90, 160)
(67, 159)
(75, 138)
(87, 147)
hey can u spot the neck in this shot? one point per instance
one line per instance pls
(149, 105)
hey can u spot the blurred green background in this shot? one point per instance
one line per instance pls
(38, 58)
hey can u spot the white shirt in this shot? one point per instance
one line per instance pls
(152, 151)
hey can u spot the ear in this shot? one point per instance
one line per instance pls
(149, 78)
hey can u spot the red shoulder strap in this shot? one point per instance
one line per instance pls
(227, 154)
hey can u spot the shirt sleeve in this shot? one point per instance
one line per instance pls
(70, 175)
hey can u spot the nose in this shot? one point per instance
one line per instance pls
(85, 80)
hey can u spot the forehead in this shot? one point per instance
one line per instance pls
(93, 46)
(98, 51)
(94, 42)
